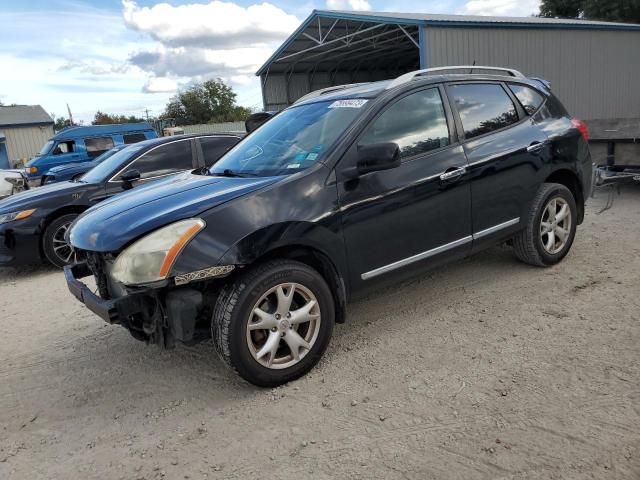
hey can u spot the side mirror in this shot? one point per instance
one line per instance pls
(128, 178)
(255, 120)
(378, 156)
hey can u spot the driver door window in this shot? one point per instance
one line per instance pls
(417, 123)
(166, 159)
(65, 147)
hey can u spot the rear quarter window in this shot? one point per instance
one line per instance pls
(528, 98)
(483, 107)
(130, 138)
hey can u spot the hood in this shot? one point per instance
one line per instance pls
(72, 166)
(40, 196)
(114, 223)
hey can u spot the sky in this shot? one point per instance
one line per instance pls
(131, 56)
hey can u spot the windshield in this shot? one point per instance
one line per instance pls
(292, 141)
(45, 149)
(115, 161)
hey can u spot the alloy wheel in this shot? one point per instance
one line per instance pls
(283, 325)
(555, 225)
(61, 248)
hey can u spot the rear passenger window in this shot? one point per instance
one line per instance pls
(215, 147)
(130, 138)
(163, 160)
(417, 123)
(98, 145)
(483, 108)
(528, 98)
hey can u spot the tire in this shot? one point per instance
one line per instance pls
(541, 243)
(55, 252)
(239, 344)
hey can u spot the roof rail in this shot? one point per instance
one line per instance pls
(407, 77)
(322, 91)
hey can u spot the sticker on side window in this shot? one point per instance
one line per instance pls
(353, 103)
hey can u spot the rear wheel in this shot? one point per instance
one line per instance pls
(54, 245)
(550, 229)
(273, 324)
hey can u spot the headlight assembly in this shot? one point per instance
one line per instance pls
(150, 259)
(9, 217)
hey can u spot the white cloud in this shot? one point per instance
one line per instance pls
(513, 8)
(218, 23)
(160, 85)
(348, 5)
(200, 41)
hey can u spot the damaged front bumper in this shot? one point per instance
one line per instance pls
(160, 316)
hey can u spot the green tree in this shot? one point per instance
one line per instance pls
(101, 118)
(627, 11)
(208, 102)
(60, 123)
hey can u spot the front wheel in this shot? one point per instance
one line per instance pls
(54, 245)
(550, 229)
(273, 324)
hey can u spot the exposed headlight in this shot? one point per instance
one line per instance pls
(9, 217)
(31, 169)
(150, 259)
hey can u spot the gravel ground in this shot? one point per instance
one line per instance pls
(484, 369)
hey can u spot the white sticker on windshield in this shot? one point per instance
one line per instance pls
(353, 103)
(293, 165)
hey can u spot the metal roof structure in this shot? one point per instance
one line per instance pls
(329, 32)
(24, 115)
(592, 66)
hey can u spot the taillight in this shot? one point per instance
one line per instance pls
(580, 125)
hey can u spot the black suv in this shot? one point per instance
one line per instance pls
(350, 186)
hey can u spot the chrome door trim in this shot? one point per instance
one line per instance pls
(495, 228)
(416, 258)
(437, 250)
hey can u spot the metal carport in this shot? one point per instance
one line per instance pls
(591, 65)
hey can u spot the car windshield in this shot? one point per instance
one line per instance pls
(45, 149)
(290, 142)
(106, 168)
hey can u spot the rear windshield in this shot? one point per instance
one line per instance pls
(291, 141)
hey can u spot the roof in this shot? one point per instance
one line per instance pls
(83, 131)
(478, 20)
(23, 115)
(372, 90)
(325, 33)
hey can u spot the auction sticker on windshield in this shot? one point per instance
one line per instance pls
(352, 103)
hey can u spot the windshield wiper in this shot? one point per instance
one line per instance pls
(230, 173)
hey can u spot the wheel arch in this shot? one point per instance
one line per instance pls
(570, 180)
(319, 261)
(67, 209)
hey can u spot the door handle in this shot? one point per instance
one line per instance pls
(452, 174)
(536, 147)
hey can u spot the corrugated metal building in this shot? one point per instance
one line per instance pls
(26, 129)
(593, 67)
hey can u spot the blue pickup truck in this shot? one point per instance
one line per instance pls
(80, 144)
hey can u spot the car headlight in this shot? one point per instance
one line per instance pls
(150, 259)
(31, 169)
(10, 217)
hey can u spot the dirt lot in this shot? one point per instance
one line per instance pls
(484, 369)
